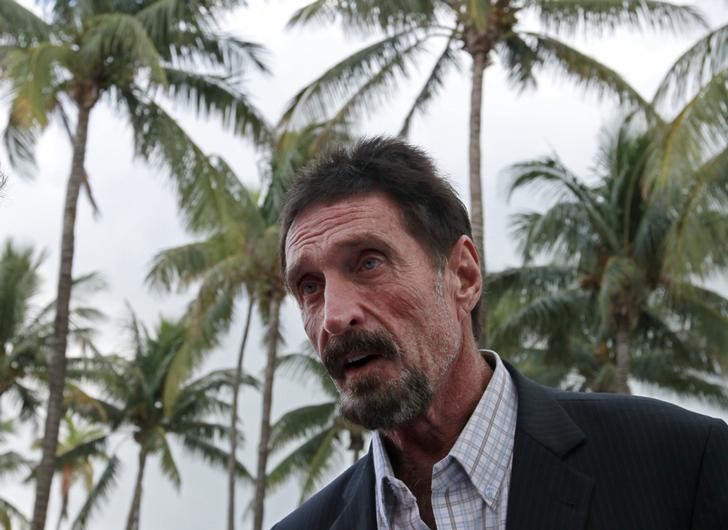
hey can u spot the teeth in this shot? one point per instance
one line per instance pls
(357, 358)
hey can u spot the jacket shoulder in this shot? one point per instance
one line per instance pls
(636, 410)
(323, 508)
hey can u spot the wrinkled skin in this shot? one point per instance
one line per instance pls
(366, 287)
(353, 267)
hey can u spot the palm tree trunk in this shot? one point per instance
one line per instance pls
(234, 420)
(272, 354)
(623, 358)
(132, 521)
(57, 360)
(477, 206)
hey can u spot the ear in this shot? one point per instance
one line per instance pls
(464, 264)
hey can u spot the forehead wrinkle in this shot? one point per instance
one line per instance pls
(356, 241)
(317, 227)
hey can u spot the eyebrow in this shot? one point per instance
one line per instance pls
(358, 241)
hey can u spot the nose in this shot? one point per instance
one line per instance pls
(342, 307)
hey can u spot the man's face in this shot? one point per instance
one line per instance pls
(379, 314)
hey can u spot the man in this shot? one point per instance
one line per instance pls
(376, 249)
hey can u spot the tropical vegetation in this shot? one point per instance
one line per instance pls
(620, 280)
(484, 31)
(321, 434)
(26, 328)
(132, 394)
(127, 54)
(11, 462)
(614, 276)
(604, 301)
(239, 256)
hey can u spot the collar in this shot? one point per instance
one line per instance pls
(483, 449)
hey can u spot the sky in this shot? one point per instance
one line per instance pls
(138, 216)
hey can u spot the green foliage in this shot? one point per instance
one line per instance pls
(619, 261)
(365, 79)
(26, 330)
(11, 462)
(99, 493)
(88, 51)
(317, 430)
(133, 393)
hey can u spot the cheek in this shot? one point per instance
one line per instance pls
(311, 324)
(402, 301)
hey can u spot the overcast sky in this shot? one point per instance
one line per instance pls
(139, 217)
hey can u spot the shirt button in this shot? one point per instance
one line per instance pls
(490, 491)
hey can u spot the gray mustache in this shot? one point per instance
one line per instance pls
(359, 341)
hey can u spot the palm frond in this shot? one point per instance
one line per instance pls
(433, 85)
(204, 185)
(89, 448)
(586, 72)
(320, 464)
(307, 367)
(301, 423)
(19, 26)
(214, 455)
(545, 314)
(12, 462)
(124, 38)
(297, 462)
(363, 15)
(178, 267)
(519, 59)
(20, 141)
(697, 226)
(358, 81)
(553, 172)
(35, 74)
(99, 493)
(168, 465)
(190, 48)
(206, 430)
(599, 16)
(699, 131)
(218, 96)
(700, 63)
(531, 280)
(8, 511)
(657, 369)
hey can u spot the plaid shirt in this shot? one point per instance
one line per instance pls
(470, 485)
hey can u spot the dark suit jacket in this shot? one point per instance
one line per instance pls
(580, 461)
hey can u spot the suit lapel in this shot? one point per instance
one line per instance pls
(545, 492)
(358, 510)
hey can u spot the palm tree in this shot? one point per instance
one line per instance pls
(26, 331)
(683, 165)
(237, 258)
(134, 391)
(231, 264)
(324, 433)
(611, 301)
(77, 449)
(694, 96)
(11, 462)
(126, 53)
(483, 30)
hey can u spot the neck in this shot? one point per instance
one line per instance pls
(416, 447)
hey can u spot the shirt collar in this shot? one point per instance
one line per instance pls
(484, 448)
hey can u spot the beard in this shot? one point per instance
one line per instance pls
(373, 401)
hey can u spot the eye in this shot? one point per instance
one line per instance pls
(370, 263)
(308, 287)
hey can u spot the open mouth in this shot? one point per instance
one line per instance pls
(359, 361)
